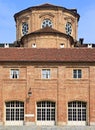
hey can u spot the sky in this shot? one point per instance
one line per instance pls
(86, 9)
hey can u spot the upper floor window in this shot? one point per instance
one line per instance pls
(24, 28)
(46, 23)
(46, 73)
(77, 73)
(68, 28)
(14, 74)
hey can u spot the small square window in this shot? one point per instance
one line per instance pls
(34, 45)
(46, 73)
(14, 74)
(61, 45)
(77, 73)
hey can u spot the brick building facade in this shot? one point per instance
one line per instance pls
(47, 78)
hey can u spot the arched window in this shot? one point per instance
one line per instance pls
(47, 23)
(25, 28)
(68, 28)
(45, 113)
(14, 111)
(77, 111)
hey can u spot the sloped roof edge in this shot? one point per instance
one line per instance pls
(47, 30)
(47, 55)
(49, 6)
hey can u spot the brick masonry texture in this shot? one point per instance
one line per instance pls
(61, 87)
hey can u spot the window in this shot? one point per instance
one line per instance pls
(14, 74)
(68, 28)
(45, 111)
(77, 73)
(46, 73)
(77, 111)
(61, 45)
(34, 45)
(14, 111)
(46, 23)
(24, 28)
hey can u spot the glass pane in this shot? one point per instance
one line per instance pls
(53, 104)
(46, 111)
(43, 114)
(77, 111)
(8, 104)
(7, 114)
(14, 111)
(48, 114)
(38, 104)
(46, 23)
(52, 114)
(12, 114)
(79, 74)
(79, 114)
(38, 114)
(70, 104)
(48, 104)
(79, 104)
(74, 74)
(17, 114)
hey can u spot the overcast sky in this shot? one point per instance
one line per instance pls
(86, 9)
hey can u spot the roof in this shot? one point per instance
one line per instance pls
(48, 6)
(48, 30)
(47, 55)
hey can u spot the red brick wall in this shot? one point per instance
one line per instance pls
(60, 88)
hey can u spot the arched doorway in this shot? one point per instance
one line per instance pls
(14, 113)
(77, 113)
(45, 113)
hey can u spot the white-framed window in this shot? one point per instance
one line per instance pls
(46, 23)
(14, 73)
(77, 73)
(61, 45)
(33, 45)
(76, 111)
(45, 73)
(14, 111)
(45, 111)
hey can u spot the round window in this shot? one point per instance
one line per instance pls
(47, 23)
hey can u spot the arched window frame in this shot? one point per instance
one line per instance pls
(77, 113)
(47, 22)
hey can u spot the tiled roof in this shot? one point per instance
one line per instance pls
(48, 55)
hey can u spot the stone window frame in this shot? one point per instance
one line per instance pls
(14, 73)
(48, 16)
(46, 116)
(46, 73)
(77, 73)
(77, 111)
(24, 22)
(11, 111)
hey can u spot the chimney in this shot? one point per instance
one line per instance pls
(81, 41)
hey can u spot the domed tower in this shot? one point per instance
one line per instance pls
(47, 26)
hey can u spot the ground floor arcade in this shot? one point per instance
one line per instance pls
(45, 113)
